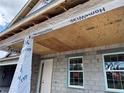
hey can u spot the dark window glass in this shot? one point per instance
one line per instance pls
(6, 75)
(121, 57)
(76, 71)
(76, 64)
(114, 66)
(115, 80)
(107, 58)
(76, 78)
(114, 58)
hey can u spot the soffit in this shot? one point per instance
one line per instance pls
(103, 29)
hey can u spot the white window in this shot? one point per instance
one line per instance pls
(75, 72)
(114, 72)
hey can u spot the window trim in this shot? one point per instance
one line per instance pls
(105, 79)
(68, 77)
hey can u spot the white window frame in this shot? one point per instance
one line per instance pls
(12, 61)
(74, 86)
(105, 76)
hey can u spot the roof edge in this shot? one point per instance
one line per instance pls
(20, 12)
(31, 17)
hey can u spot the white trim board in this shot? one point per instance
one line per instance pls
(50, 25)
(68, 77)
(10, 62)
(10, 58)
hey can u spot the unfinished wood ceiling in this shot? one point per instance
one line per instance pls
(104, 29)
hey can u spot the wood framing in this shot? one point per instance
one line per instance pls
(24, 11)
(81, 30)
(50, 10)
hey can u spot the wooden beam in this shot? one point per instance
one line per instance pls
(24, 10)
(63, 8)
(51, 5)
(54, 24)
(22, 29)
(46, 16)
(39, 49)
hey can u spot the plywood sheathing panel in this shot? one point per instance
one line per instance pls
(101, 30)
(37, 48)
(104, 29)
(52, 21)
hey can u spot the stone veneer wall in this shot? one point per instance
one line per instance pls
(93, 75)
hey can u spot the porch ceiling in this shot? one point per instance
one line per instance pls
(104, 29)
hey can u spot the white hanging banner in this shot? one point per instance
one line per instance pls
(21, 82)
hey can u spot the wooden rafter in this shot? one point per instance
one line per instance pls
(95, 31)
(104, 29)
(47, 12)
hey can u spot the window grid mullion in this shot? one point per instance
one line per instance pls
(114, 70)
(76, 71)
(76, 79)
(117, 77)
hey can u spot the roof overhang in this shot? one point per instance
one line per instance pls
(24, 11)
(49, 11)
(102, 29)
